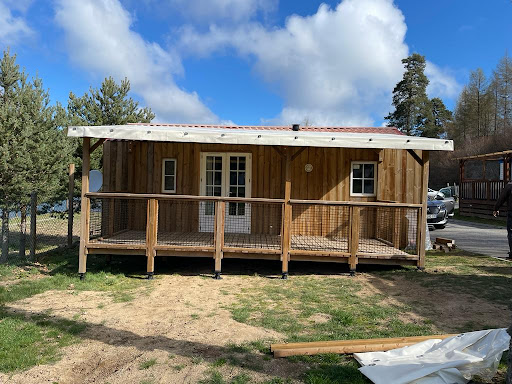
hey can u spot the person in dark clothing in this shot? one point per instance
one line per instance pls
(506, 196)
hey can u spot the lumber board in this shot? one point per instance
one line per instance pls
(442, 240)
(349, 346)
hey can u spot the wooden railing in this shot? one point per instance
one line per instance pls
(157, 224)
(481, 189)
(478, 197)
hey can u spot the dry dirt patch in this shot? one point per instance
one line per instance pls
(182, 322)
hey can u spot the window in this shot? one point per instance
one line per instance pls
(362, 178)
(169, 175)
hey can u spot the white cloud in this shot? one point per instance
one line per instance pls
(337, 66)
(442, 83)
(100, 40)
(13, 28)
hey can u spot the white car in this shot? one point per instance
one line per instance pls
(432, 194)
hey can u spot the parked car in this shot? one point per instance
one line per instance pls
(437, 213)
(449, 192)
(448, 201)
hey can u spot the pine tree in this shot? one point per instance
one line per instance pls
(412, 109)
(10, 150)
(108, 105)
(35, 152)
(442, 119)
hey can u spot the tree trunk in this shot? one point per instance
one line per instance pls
(5, 235)
(23, 231)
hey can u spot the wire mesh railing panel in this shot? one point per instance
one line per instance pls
(318, 227)
(51, 231)
(388, 231)
(118, 221)
(187, 223)
(253, 225)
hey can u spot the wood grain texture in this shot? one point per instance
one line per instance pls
(136, 167)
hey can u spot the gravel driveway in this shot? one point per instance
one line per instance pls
(484, 239)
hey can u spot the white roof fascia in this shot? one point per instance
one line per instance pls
(187, 134)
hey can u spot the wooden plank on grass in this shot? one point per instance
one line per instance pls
(349, 346)
(442, 240)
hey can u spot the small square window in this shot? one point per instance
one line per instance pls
(169, 175)
(362, 178)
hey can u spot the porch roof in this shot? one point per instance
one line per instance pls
(346, 137)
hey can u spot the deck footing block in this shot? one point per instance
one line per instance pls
(421, 269)
(150, 275)
(352, 272)
(284, 275)
(82, 276)
(217, 276)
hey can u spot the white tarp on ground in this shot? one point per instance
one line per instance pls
(451, 361)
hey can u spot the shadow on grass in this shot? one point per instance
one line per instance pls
(247, 358)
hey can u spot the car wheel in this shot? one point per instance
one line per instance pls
(439, 226)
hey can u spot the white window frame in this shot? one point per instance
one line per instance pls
(175, 174)
(374, 179)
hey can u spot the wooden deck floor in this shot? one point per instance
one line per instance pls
(256, 241)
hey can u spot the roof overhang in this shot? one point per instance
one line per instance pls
(487, 156)
(187, 134)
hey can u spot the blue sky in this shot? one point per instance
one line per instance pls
(256, 61)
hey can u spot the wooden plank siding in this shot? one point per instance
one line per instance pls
(137, 167)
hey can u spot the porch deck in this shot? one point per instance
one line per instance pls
(367, 247)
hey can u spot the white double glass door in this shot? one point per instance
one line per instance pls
(228, 175)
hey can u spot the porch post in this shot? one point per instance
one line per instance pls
(422, 222)
(287, 215)
(220, 212)
(355, 224)
(85, 209)
(151, 234)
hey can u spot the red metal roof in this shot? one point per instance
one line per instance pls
(382, 130)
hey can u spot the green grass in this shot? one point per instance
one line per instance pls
(241, 379)
(213, 377)
(315, 308)
(30, 339)
(480, 276)
(219, 362)
(147, 364)
(479, 220)
(35, 340)
(288, 307)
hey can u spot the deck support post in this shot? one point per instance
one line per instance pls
(151, 234)
(355, 220)
(422, 215)
(287, 216)
(220, 212)
(71, 194)
(85, 208)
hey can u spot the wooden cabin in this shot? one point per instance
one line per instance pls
(287, 193)
(482, 178)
